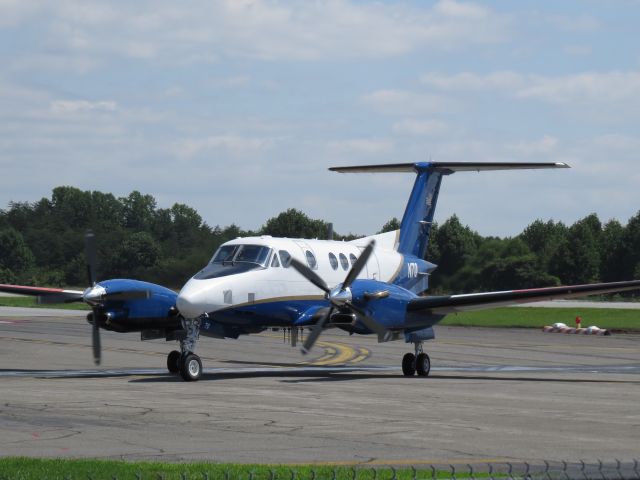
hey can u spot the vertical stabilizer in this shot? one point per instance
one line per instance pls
(415, 228)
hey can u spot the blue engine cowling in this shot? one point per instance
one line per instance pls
(158, 311)
(385, 303)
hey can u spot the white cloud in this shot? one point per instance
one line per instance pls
(262, 29)
(582, 87)
(597, 87)
(361, 145)
(545, 145)
(575, 23)
(473, 81)
(81, 106)
(419, 127)
(231, 143)
(14, 12)
(577, 50)
(400, 102)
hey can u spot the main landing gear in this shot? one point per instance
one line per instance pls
(419, 363)
(185, 362)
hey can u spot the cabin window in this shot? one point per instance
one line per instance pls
(353, 259)
(333, 261)
(344, 262)
(285, 258)
(311, 260)
(274, 260)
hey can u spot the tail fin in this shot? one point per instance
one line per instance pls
(415, 227)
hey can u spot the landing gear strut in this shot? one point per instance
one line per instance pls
(187, 363)
(419, 363)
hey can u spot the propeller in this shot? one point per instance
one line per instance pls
(340, 297)
(94, 296)
(90, 254)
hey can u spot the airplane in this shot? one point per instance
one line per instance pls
(372, 285)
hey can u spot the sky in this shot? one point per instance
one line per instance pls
(238, 108)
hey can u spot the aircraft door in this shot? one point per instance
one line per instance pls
(372, 267)
(308, 255)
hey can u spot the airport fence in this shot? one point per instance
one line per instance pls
(498, 471)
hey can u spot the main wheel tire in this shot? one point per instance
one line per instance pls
(423, 364)
(409, 364)
(190, 367)
(173, 361)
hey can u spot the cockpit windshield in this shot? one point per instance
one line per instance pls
(258, 254)
(224, 253)
(233, 259)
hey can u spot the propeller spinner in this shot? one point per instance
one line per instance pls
(339, 297)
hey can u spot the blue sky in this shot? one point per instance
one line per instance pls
(237, 108)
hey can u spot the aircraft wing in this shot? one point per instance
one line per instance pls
(478, 301)
(45, 295)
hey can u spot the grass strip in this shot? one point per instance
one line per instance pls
(30, 302)
(534, 317)
(522, 317)
(22, 468)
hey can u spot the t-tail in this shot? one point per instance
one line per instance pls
(415, 228)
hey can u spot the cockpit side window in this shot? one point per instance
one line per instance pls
(311, 259)
(274, 260)
(285, 258)
(224, 254)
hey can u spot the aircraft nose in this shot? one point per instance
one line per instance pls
(192, 300)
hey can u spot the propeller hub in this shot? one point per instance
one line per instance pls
(94, 295)
(340, 296)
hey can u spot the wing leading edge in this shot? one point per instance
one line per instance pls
(479, 301)
(45, 295)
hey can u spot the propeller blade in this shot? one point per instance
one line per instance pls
(53, 298)
(97, 350)
(359, 265)
(310, 275)
(130, 295)
(90, 254)
(369, 322)
(315, 333)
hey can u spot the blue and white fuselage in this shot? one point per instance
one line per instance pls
(249, 285)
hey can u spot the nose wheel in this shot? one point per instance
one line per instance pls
(419, 363)
(190, 367)
(185, 362)
(173, 361)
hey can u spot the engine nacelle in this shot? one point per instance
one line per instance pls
(157, 311)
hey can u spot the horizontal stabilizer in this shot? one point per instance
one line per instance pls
(448, 167)
(479, 301)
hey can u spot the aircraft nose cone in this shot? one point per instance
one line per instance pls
(192, 301)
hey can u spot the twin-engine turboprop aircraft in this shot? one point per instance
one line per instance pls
(371, 285)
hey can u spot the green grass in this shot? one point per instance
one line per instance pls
(532, 317)
(30, 302)
(13, 468)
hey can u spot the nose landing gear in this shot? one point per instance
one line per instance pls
(419, 363)
(185, 362)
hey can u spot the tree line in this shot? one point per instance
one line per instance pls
(42, 243)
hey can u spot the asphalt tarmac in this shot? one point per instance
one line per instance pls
(493, 395)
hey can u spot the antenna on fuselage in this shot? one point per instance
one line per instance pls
(330, 231)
